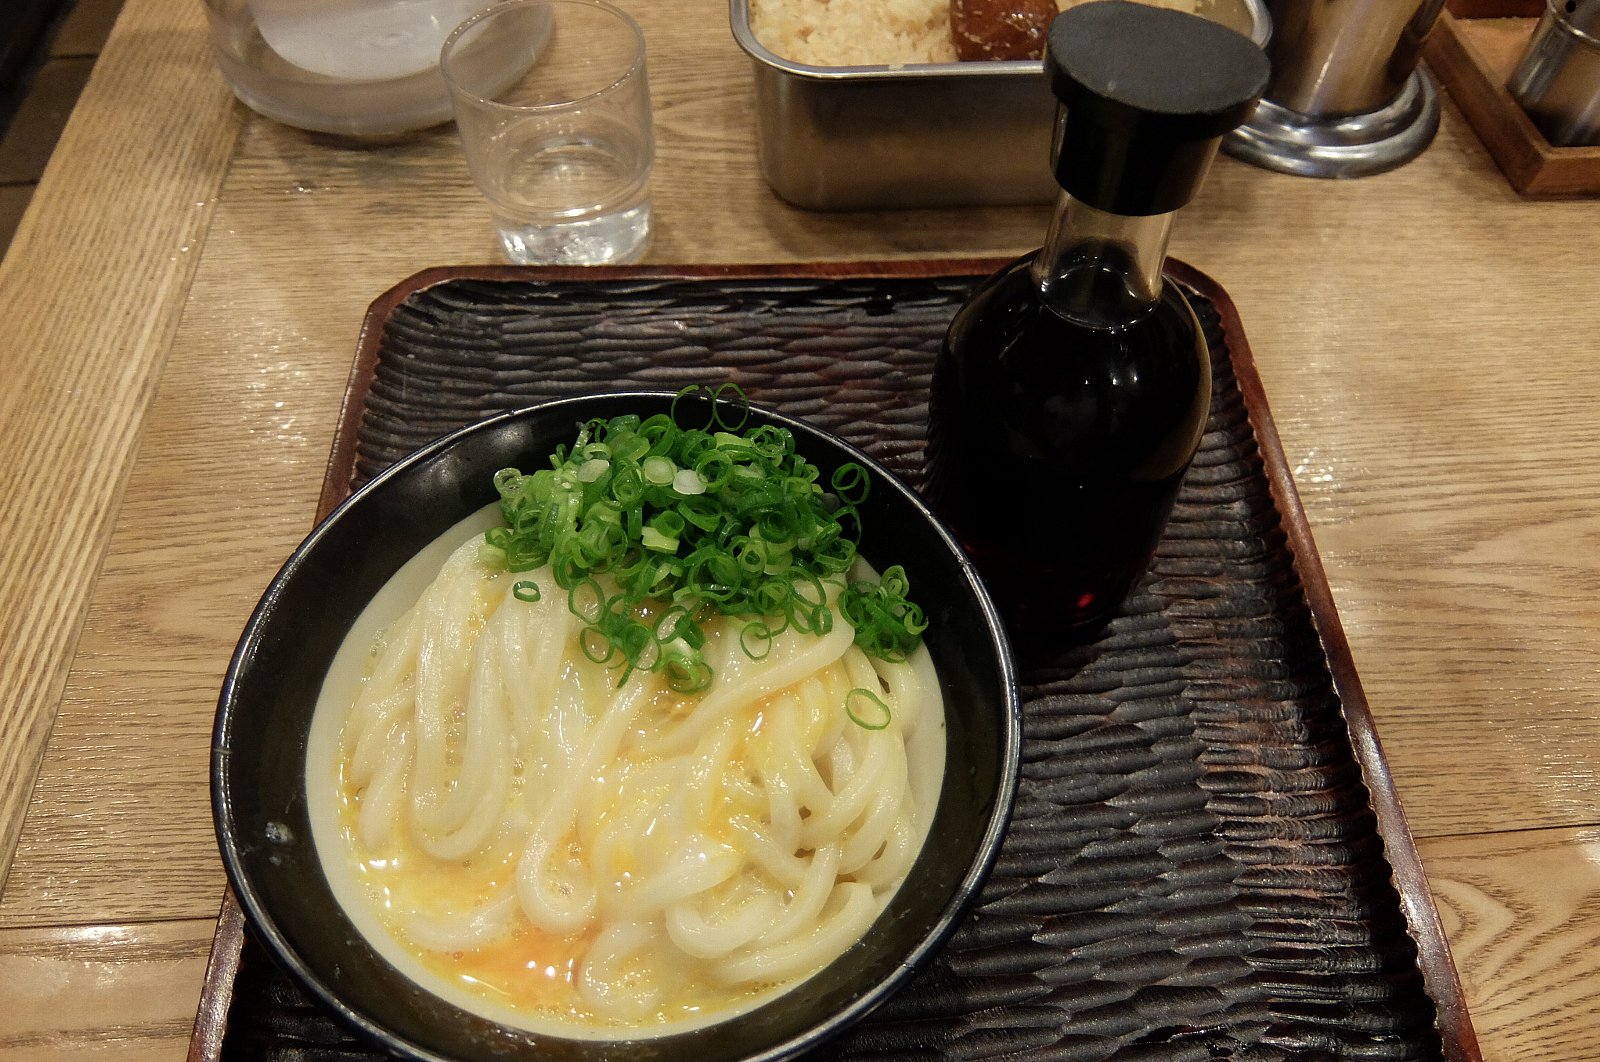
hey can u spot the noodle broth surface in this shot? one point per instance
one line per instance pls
(537, 844)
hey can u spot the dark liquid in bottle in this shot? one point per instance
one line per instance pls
(1056, 446)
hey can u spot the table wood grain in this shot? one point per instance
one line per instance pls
(181, 305)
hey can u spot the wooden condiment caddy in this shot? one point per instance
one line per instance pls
(1473, 49)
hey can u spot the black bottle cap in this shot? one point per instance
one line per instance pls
(1148, 94)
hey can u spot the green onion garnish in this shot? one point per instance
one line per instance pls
(861, 700)
(887, 625)
(690, 522)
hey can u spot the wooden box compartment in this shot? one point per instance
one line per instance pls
(1474, 49)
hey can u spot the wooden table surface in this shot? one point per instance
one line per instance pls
(179, 311)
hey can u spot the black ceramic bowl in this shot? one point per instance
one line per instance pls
(259, 751)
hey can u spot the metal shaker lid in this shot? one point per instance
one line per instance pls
(1581, 15)
(1147, 94)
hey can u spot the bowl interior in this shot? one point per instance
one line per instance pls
(271, 689)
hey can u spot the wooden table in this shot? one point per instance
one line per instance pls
(179, 312)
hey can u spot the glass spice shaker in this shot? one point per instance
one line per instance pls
(1073, 386)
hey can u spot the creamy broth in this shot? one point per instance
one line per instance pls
(612, 919)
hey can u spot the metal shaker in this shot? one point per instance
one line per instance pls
(1347, 97)
(1558, 80)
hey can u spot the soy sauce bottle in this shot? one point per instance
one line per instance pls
(1073, 386)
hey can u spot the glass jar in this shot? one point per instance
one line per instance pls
(359, 68)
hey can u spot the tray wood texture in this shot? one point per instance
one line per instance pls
(1474, 49)
(1208, 859)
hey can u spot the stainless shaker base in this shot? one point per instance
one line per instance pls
(1277, 138)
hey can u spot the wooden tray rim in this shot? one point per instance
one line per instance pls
(1436, 965)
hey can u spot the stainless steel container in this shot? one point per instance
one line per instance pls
(1347, 98)
(921, 135)
(1558, 80)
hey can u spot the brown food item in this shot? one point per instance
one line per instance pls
(1000, 29)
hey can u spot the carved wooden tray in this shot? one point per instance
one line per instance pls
(1207, 860)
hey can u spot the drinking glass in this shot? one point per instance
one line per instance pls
(560, 143)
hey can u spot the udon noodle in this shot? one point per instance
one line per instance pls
(539, 843)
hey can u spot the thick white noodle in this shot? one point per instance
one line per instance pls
(532, 647)
(463, 757)
(824, 938)
(617, 977)
(455, 931)
(378, 821)
(745, 837)
(377, 738)
(734, 920)
(791, 659)
(558, 895)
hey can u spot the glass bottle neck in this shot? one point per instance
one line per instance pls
(1101, 269)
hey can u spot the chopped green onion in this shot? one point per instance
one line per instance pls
(756, 640)
(688, 522)
(861, 700)
(652, 539)
(525, 590)
(887, 625)
(850, 483)
(658, 470)
(688, 482)
(595, 646)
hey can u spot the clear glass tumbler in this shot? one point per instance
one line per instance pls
(561, 143)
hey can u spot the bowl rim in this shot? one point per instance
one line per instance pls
(1009, 729)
